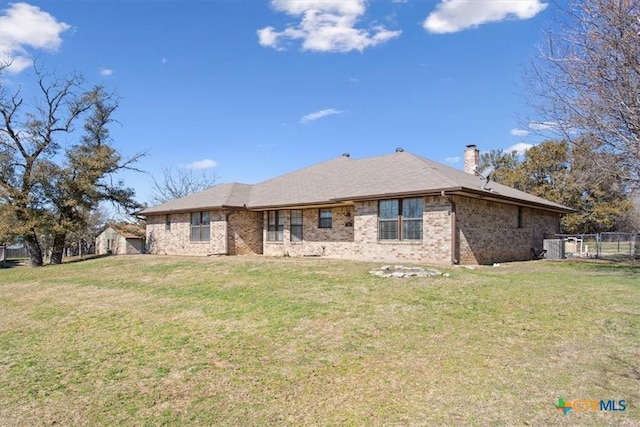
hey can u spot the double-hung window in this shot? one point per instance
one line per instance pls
(296, 226)
(275, 226)
(200, 226)
(400, 219)
(412, 219)
(388, 219)
(326, 218)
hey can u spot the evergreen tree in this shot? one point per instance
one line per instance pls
(579, 176)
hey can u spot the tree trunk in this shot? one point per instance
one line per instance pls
(58, 248)
(34, 249)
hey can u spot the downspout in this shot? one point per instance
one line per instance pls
(454, 245)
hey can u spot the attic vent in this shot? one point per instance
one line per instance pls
(399, 150)
(346, 155)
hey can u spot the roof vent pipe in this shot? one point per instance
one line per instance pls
(346, 155)
(399, 150)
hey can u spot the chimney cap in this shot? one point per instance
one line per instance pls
(346, 155)
(399, 150)
(471, 146)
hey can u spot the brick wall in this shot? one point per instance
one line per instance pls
(245, 233)
(240, 235)
(434, 247)
(488, 231)
(360, 239)
(335, 241)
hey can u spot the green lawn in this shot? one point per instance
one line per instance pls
(145, 340)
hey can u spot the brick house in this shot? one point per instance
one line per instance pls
(391, 207)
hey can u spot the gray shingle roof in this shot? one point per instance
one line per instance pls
(344, 179)
(230, 195)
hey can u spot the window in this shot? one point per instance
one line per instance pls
(275, 226)
(296, 226)
(520, 225)
(389, 216)
(326, 218)
(167, 222)
(412, 219)
(200, 227)
(400, 219)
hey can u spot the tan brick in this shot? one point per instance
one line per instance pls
(486, 232)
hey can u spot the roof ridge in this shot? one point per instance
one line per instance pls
(316, 165)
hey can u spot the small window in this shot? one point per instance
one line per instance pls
(275, 226)
(200, 226)
(326, 218)
(296, 226)
(167, 222)
(520, 225)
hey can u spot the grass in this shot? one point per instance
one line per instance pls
(144, 340)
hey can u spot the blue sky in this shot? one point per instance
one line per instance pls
(256, 88)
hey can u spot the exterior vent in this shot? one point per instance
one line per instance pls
(399, 150)
(346, 155)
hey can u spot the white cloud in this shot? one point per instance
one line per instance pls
(23, 27)
(325, 26)
(451, 16)
(106, 72)
(519, 132)
(454, 159)
(319, 114)
(202, 164)
(519, 148)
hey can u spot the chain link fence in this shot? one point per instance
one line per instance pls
(601, 245)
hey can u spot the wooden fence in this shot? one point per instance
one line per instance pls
(15, 253)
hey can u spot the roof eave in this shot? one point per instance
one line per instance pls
(486, 194)
(328, 203)
(195, 209)
(430, 192)
(466, 191)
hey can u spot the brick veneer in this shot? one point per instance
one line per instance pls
(245, 233)
(486, 232)
(360, 240)
(231, 233)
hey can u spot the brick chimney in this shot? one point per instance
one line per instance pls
(471, 158)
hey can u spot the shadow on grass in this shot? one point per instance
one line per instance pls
(24, 262)
(70, 260)
(12, 263)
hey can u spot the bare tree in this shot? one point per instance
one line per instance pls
(587, 78)
(176, 183)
